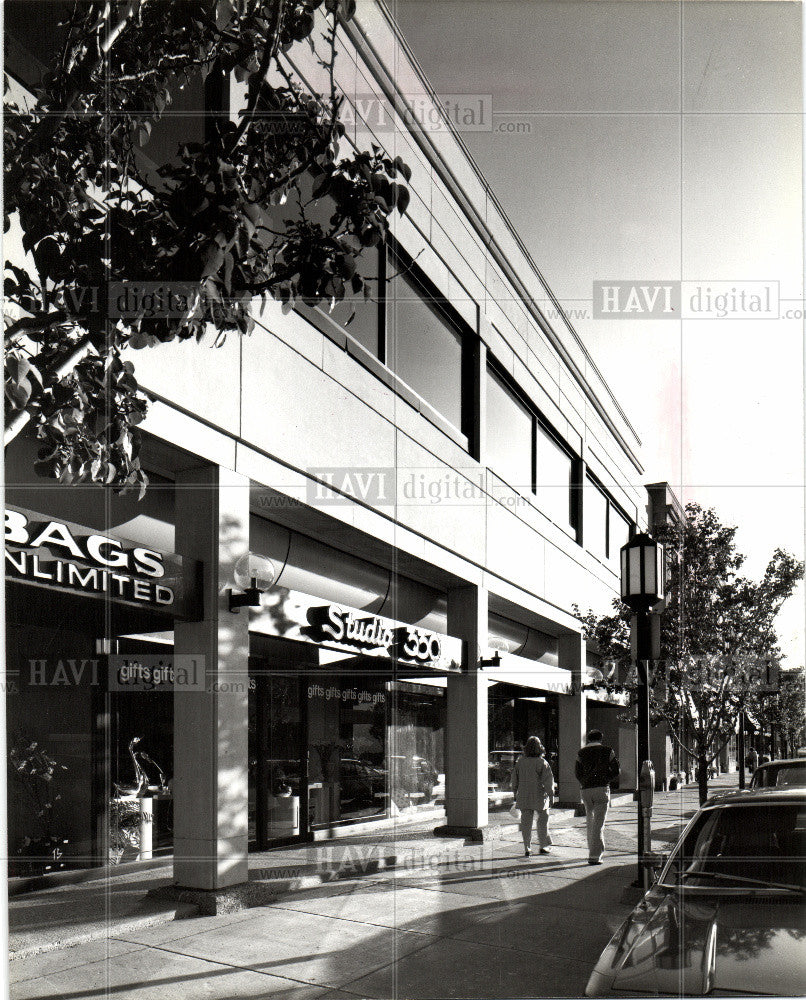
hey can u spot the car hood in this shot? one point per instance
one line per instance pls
(696, 943)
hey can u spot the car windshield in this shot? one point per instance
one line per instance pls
(775, 776)
(758, 842)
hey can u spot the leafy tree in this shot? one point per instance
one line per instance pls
(717, 634)
(262, 206)
(786, 710)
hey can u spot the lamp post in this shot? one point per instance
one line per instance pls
(740, 753)
(643, 585)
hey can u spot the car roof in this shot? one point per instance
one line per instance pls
(739, 797)
(787, 762)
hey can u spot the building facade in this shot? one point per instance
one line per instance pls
(420, 497)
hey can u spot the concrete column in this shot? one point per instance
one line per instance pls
(210, 784)
(467, 751)
(572, 717)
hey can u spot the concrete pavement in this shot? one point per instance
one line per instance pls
(449, 919)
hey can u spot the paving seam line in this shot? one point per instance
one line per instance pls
(444, 937)
(278, 975)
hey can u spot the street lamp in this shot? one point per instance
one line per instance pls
(643, 573)
(643, 585)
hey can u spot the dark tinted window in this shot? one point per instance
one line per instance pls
(765, 842)
(32, 37)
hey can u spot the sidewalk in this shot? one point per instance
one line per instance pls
(430, 918)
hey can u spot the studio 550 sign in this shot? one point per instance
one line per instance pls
(295, 615)
(330, 623)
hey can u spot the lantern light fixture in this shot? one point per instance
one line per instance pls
(643, 572)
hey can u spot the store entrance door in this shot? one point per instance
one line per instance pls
(278, 764)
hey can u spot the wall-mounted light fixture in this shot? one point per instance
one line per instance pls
(254, 575)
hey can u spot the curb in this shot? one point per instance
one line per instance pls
(258, 892)
(191, 903)
(111, 930)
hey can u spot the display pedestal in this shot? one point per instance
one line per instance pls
(283, 816)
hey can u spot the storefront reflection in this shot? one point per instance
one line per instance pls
(330, 749)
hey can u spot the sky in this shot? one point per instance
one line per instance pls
(658, 141)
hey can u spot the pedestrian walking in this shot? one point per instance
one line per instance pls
(596, 766)
(752, 759)
(533, 785)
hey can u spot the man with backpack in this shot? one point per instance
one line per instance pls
(596, 767)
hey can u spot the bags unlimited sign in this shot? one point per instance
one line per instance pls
(63, 556)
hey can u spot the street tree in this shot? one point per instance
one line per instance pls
(267, 203)
(786, 709)
(717, 635)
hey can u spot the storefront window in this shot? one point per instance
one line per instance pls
(275, 758)
(417, 746)
(52, 780)
(424, 349)
(553, 477)
(514, 713)
(326, 749)
(141, 764)
(347, 728)
(509, 435)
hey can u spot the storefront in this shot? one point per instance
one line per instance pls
(90, 711)
(341, 728)
(344, 680)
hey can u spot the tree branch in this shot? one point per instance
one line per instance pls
(269, 54)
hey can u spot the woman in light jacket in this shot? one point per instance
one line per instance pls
(533, 785)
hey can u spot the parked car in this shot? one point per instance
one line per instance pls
(356, 780)
(778, 773)
(413, 776)
(726, 916)
(499, 767)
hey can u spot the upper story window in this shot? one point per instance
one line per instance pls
(510, 433)
(423, 346)
(361, 317)
(594, 519)
(408, 326)
(32, 37)
(619, 530)
(522, 450)
(606, 527)
(554, 471)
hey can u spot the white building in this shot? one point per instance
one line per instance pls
(450, 470)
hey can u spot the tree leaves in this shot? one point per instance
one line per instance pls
(717, 631)
(189, 245)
